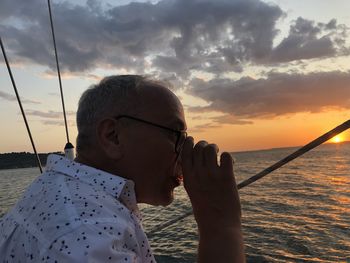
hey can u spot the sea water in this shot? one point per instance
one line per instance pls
(299, 213)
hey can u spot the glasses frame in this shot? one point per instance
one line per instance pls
(179, 133)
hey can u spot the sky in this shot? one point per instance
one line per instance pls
(251, 74)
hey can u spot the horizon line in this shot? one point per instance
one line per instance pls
(238, 151)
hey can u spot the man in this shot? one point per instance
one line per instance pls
(132, 147)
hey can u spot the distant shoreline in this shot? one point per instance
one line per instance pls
(17, 160)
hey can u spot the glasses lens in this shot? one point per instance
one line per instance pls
(180, 141)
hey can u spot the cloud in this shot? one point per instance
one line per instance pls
(56, 123)
(52, 117)
(169, 37)
(54, 94)
(214, 121)
(9, 97)
(52, 122)
(307, 40)
(203, 127)
(230, 119)
(94, 77)
(171, 64)
(49, 114)
(50, 74)
(276, 95)
(80, 47)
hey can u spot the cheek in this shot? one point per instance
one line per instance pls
(162, 171)
(164, 166)
(160, 155)
(153, 155)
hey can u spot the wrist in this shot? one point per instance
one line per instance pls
(207, 223)
(205, 230)
(221, 245)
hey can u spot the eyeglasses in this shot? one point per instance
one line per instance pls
(180, 135)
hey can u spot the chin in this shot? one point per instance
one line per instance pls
(168, 201)
(161, 197)
(163, 200)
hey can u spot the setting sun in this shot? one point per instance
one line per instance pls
(337, 139)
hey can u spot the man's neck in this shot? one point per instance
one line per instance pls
(92, 161)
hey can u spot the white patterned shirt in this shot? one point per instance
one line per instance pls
(75, 213)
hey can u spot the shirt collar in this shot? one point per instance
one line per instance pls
(119, 187)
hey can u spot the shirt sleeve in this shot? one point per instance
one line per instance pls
(98, 242)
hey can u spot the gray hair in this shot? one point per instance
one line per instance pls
(114, 95)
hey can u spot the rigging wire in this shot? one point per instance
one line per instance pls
(323, 138)
(20, 105)
(69, 148)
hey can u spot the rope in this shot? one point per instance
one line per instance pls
(325, 137)
(58, 70)
(20, 105)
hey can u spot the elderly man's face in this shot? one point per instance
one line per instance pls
(150, 150)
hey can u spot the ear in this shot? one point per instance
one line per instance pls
(107, 131)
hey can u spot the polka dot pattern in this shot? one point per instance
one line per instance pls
(75, 213)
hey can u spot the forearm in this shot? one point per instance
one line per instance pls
(220, 245)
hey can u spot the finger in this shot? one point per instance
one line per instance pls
(187, 155)
(198, 158)
(226, 165)
(227, 171)
(210, 157)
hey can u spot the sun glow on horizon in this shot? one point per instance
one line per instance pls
(337, 139)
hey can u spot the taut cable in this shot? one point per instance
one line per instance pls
(20, 105)
(325, 137)
(69, 148)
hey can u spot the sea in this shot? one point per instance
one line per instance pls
(299, 213)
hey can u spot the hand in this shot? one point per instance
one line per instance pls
(211, 187)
